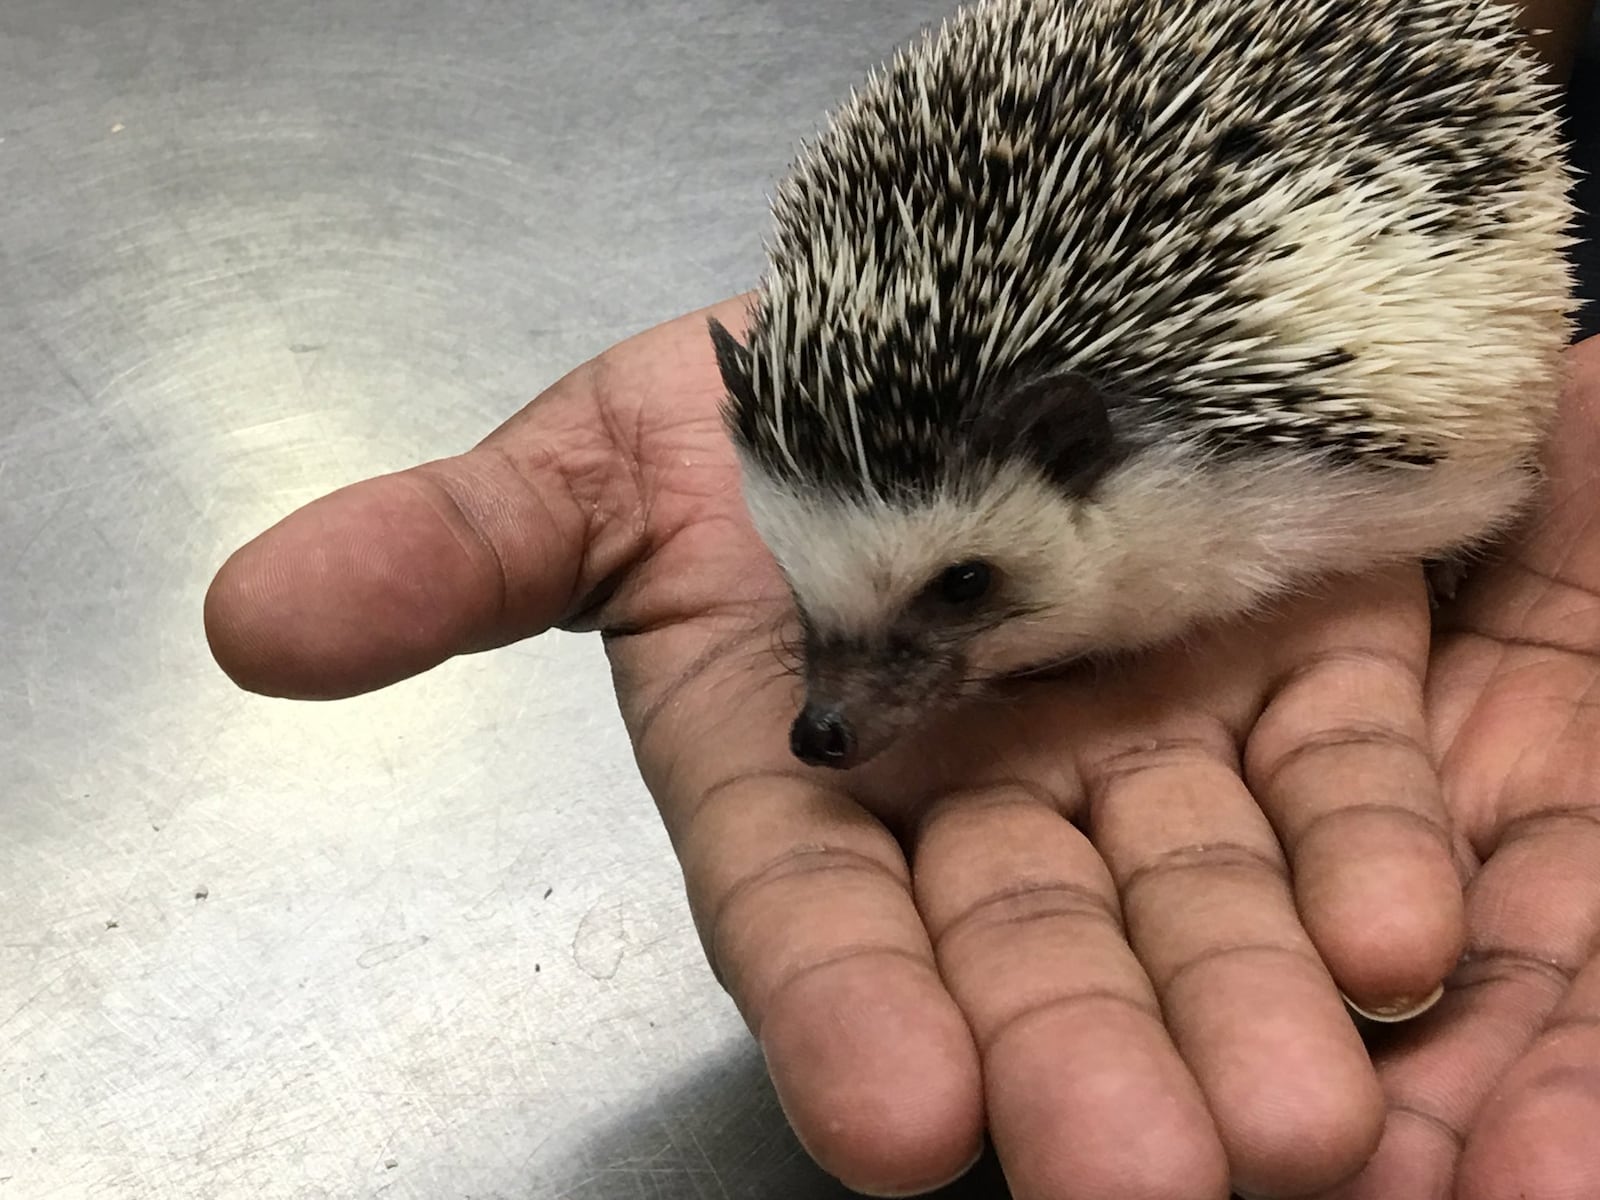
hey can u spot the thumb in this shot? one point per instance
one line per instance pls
(388, 578)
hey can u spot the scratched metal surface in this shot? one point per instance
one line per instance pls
(430, 943)
(249, 253)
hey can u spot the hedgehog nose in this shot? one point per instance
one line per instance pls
(822, 737)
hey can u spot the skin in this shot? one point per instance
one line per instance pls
(1106, 922)
(1496, 1092)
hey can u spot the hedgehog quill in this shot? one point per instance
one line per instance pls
(1086, 323)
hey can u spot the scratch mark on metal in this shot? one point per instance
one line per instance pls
(716, 1175)
(376, 956)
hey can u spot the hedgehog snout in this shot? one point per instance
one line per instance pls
(822, 736)
(863, 696)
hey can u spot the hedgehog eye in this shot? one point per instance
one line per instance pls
(965, 583)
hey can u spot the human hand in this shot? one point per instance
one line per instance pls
(933, 947)
(1496, 1092)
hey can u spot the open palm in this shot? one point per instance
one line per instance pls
(1065, 919)
(1496, 1093)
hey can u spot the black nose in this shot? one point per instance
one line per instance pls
(822, 737)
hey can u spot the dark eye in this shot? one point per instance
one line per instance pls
(965, 583)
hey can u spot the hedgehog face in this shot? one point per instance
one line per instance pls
(907, 609)
(868, 680)
(926, 561)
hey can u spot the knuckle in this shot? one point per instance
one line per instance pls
(1210, 958)
(844, 955)
(1213, 747)
(760, 936)
(964, 810)
(1268, 766)
(1556, 820)
(1228, 857)
(450, 498)
(799, 861)
(1348, 664)
(1020, 1018)
(1327, 823)
(1028, 903)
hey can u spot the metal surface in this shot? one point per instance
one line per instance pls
(430, 943)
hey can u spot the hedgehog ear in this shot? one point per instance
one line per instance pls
(1061, 423)
(733, 360)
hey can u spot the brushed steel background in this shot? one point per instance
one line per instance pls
(430, 943)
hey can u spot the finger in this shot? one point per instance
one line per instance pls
(1339, 762)
(807, 915)
(387, 578)
(803, 902)
(390, 577)
(1534, 918)
(1087, 1096)
(1206, 897)
(1534, 1139)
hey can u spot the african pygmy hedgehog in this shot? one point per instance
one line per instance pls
(1089, 320)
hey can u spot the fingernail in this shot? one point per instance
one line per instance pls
(1399, 1011)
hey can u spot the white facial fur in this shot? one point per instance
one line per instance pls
(1162, 546)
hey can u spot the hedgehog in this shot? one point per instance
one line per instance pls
(1088, 323)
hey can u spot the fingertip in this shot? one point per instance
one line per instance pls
(1387, 915)
(385, 579)
(355, 591)
(1297, 1100)
(876, 1071)
(1324, 1139)
(227, 641)
(1090, 1100)
(248, 630)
